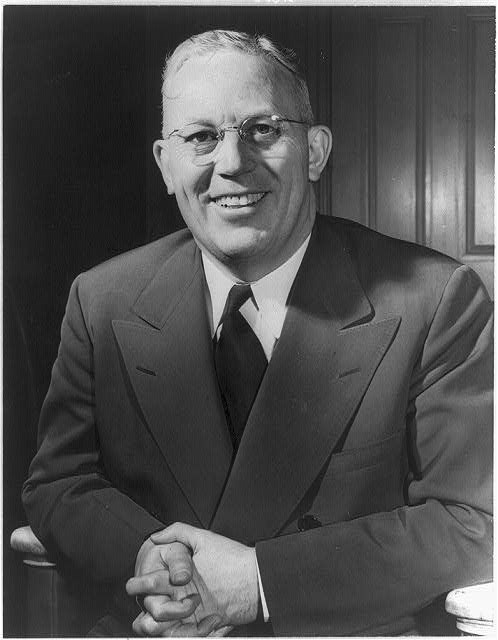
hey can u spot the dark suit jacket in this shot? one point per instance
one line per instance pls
(374, 416)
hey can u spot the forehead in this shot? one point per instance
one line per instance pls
(227, 84)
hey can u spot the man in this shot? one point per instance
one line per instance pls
(322, 440)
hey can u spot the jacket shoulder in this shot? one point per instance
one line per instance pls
(376, 253)
(128, 273)
(397, 275)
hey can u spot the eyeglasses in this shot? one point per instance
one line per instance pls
(261, 133)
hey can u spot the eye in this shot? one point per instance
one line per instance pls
(203, 136)
(263, 132)
(264, 129)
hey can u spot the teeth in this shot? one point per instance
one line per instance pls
(239, 201)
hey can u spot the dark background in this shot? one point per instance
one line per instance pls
(408, 93)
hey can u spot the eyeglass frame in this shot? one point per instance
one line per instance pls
(238, 128)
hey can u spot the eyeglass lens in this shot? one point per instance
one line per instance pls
(259, 132)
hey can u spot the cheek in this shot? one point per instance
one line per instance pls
(293, 184)
(291, 168)
(189, 181)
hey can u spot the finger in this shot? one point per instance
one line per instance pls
(191, 630)
(144, 625)
(154, 583)
(177, 557)
(178, 532)
(163, 609)
(220, 632)
(208, 624)
(181, 631)
(136, 624)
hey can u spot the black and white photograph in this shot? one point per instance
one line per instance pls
(248, 283)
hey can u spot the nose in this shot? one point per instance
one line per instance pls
(233, 157)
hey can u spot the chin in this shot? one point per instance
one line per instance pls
(241, 244)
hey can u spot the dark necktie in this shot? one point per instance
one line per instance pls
(240, 362)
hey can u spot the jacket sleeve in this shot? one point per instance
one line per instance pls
(72, 507)
(349, 577)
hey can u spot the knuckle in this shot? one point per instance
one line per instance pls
(155, 581)
(145, 585)
(150, 626)
(137, 627)
(155, 609)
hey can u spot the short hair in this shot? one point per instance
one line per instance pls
(258, 45)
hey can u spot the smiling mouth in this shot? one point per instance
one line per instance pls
(236, 202)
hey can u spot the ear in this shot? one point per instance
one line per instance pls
(320, 145)
(161, 155)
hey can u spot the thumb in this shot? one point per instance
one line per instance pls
(179, 562)
(178, 532)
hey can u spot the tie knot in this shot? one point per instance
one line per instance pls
(238, 294)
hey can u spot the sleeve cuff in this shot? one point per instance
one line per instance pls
(266, 613)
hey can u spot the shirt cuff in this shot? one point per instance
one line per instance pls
(266, 613)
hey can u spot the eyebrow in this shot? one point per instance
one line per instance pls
(202, 121)
(210, 123)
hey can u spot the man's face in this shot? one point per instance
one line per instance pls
(250, 210)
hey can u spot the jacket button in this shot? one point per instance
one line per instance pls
(308, 521)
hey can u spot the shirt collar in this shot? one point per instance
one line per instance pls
(270, 292)
(218, 285)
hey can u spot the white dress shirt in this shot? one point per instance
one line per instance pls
(265, 314)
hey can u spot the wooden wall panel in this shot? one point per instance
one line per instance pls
(398, 135)
(350, 99)
(480, 142)
(443, 192)
(412, 95)
(476, 169)
(319, 72)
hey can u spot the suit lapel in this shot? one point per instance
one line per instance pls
(319, 371)
(169, 363)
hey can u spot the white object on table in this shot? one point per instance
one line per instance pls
(474, 608)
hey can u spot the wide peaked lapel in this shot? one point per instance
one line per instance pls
(170, 366)
(327, 354)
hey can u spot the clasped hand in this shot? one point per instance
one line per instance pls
(193, 582)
